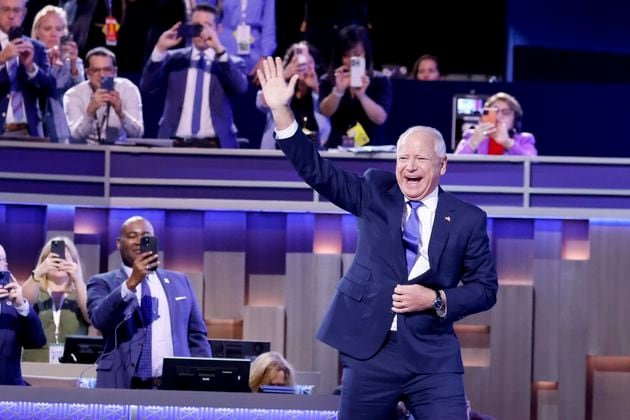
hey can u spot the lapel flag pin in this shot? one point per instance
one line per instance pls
(447, 218)
(166, 280)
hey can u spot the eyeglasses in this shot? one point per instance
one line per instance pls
(106, 70)
(505, 111)
(16, 10)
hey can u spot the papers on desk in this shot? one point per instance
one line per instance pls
(390, 148)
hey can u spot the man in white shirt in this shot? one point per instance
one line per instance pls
(104, 108)
(198, 81)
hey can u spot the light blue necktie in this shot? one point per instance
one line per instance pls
(196, 112)
(411, 234)
(145, 365)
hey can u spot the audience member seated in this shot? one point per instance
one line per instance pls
(198, 81)
(19, 328)
(299, 59)
(58, 294)
(104, 108)
(24, 75)
(51, 28)
(270, 368)
(504, 136)
(363, 108)
(426, 68)
(248, 30)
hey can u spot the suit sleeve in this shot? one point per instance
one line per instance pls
(43, 82)
(106, 306)
(231, 75)
(479, 281)
(153, 78)
(31, 333)
(346, 190)
(197, 332)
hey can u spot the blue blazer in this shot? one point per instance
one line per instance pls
(360, 315)
(17, 331)
(123, 330)
(43, 84)
(228, 79)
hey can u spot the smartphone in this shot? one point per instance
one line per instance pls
(107, 83)
(15, 33)
(357, 70)
(5, 278)
(300, 54)
(59, 248)
(189, 30)
(489, 115)
(65, 39)
(149, 243)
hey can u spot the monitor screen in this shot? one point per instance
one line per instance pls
(82, 349)
(205, 374)
(467, 109)
(238, 349)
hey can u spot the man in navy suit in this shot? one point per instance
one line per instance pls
(145, 314)
(199, 81)
(392, 316)
(19, 327)
(24, 75)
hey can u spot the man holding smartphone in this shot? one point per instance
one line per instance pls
(144, 312)
(21, 327)
(104, 109)
(199, 81)
(24, 74)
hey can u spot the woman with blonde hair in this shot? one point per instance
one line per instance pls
(50, 27)
(57, 291)
(270, 368)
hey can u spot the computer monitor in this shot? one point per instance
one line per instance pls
(82, 349)
(467, 109)
(205, 374)
(238, 349)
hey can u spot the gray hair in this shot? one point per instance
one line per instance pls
(438, 140)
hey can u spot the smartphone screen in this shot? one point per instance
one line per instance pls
(189, 30)
(149, 243)
(59, 248)
(107, 83)
(489, 115)
(5, 278)
(357, 70)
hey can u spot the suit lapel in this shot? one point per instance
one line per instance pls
(442, 224)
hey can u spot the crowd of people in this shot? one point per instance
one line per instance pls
(197, 67)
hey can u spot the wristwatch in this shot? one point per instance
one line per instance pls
(438, 304)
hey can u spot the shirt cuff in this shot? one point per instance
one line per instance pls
(126, 293)
(24, 308)
(157, 56)
(34, 73)
(287, 132)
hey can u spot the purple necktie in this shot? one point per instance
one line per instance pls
(17, 102)
(145, 365)
(411, 234)
(196, 112)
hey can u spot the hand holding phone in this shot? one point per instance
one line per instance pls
(149, 243)
(58, 247)
(357, 71)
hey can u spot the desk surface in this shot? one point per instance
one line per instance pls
(263, 180)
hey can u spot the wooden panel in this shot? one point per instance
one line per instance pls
(511, 353)
(310, 286)
(547, 405)
(265, 324)
(225, 328)
(514, 250)
(546, 321)
(610, 396)
(224, 274)
(266, 290)
(90, 259)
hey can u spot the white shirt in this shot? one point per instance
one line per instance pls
(83, 128)
(161, 338)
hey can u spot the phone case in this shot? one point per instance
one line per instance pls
(357, 70)
(5, 278)
(59, 248)
(489, 115)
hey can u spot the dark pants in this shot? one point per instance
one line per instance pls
(371, 389)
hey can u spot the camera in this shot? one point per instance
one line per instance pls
(107, 83)
(357, 70)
